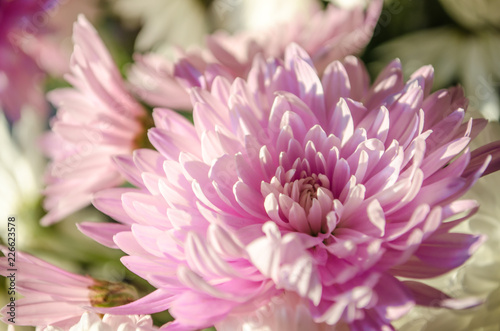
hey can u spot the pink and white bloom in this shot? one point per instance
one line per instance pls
(326, 35)
(53, 296)
(321, 190)
(96, 120)
(32, 37)
(92, 322)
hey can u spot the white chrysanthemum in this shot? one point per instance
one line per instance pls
(165, 23)
(480, 276)
(21, 168)
(92, 322)
(257, 14)
(476, 14)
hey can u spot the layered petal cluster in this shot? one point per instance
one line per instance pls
(326, 35)
(53, 296)
(96, 119)
(287, 185)
(92, 322)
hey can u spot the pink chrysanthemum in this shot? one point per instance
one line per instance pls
(326, 35)
(53, 296)
(320, 192)
(96, 120)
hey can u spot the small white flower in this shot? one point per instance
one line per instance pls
(92, 322)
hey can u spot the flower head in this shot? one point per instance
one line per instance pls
(53, 296)
(96, 120)
(320, 190)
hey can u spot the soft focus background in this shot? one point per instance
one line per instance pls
(460, 38)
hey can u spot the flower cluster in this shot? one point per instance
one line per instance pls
(296, 194)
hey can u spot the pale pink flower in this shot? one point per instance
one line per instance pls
(92, 322)
(32, 35)
(96, 120)
(53, 296)
(320, 190)
(326, 35)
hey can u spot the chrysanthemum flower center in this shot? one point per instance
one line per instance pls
(305, 190)
(302, 202)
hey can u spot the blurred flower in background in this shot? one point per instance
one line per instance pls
(327, 35)
(239, 15)
(464, 51)
(186, 23)
(164, 24)
(33, 35)
(97, 119)
(474, 15)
